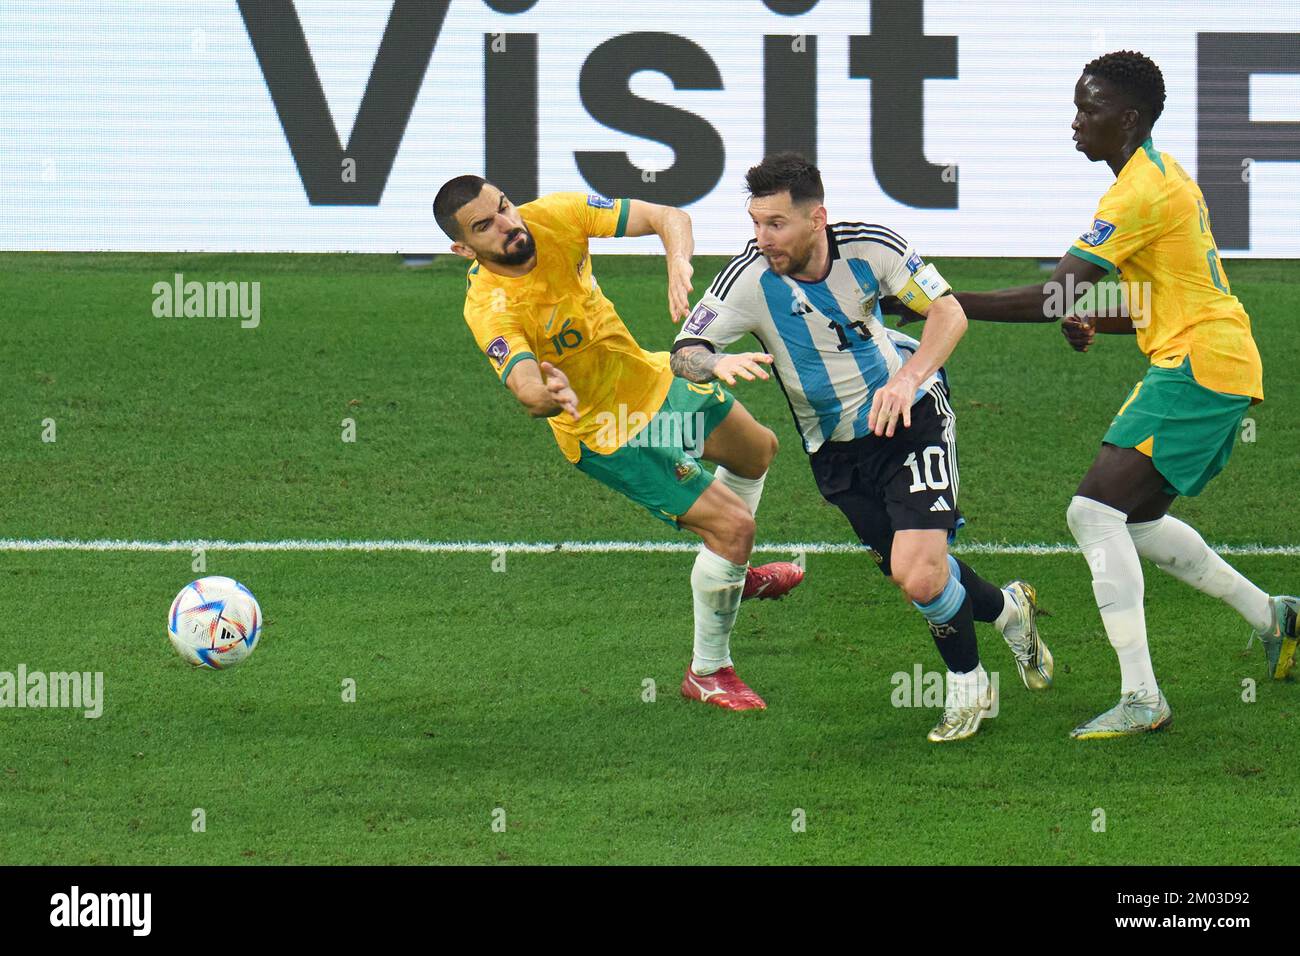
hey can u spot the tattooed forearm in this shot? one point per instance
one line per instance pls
(694, 363)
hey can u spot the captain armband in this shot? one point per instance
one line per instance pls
(925, 286)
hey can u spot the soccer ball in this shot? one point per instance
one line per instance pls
(214, 622)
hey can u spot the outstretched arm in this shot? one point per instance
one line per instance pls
(544, 398)
(695, 363)
(1048, 302)
(673, 227)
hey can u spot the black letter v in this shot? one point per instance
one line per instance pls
(404, 53)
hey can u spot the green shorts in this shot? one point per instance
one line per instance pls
(659, 467)
(1187, 429)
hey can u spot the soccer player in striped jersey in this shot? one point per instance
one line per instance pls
(876, 421)
(616, 411)
(1177, 428)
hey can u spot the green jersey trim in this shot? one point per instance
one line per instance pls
(1093, 258)
(505, 373)
(1153, 155)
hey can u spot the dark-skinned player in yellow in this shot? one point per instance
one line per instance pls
(617, 411)
(1176, 429)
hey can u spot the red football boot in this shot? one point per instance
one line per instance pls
(723, 689)
(771, 580)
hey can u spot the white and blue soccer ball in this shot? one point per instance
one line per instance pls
(214, 622)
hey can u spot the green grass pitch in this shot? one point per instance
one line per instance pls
(519, 695)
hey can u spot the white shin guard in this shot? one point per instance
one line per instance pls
(1176, 548)
(717, 585)
(1118, 587)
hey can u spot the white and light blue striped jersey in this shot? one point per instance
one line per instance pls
(907, 347)
(830, 348)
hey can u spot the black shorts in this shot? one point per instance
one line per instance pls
(904, 483)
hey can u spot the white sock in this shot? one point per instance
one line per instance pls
(1118, 587)
(964, 689)
(1008, 622)
(717, 585)
(749, 489)
(1175, 547)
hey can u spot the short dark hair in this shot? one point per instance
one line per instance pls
(786, 172)
(1135, 76)
(454, 194)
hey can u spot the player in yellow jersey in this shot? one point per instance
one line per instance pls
(616, 410)
(1177, 428)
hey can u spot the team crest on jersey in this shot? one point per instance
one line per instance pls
(685, 469)
(498, 349)
(700, 319)
(600, 202)
(914, 262)
(867, 304)
(1101, 231)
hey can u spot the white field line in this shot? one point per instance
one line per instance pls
(545, 547)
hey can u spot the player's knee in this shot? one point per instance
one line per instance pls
(922, 589)
(1074, 516)
(773, 446)
(742, 527)
(922, 582)
(731, 532)
(1089, 519)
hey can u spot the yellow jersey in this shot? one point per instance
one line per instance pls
(558, 314)
(1153, 228)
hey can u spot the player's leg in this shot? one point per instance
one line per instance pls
(1178, 549)
(743, 450)
(922, 571)
(838, 469)
(655, 470)
(1119, 481)
(1125, 479)
(923, 556)
(914, 559)
(847, 477)
(919, 484)
(743, 447)
(724, 523)
(1169, 438)
(723, 516)
(1013, 611)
